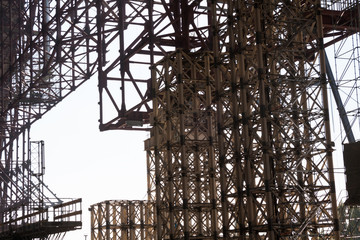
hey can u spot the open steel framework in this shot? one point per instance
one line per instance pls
(123, 220)
(345, 52)
(45, 54)
(235, 92)
(240, 142)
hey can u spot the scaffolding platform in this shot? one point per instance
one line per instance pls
(58, 219)
(39, 230)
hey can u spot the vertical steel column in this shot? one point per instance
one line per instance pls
(197, 155)
(113, 219)
(235, 61)
(131, 219)
(156, 136)
(296, 109)
(100, 60)
(219, 118)
(245, 93)
(143, 221)
(168, 155)
(107, 221)
(124, 221)
(264, 114)
(183, 151)
(92, 224)
(329, 149)
(212, 168)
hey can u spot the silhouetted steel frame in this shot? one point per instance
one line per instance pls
(160, 32)
(46, 55)
(151, 43)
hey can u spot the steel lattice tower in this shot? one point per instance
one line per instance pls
(273, 136)
(241, 142)
(45, 55)
(234, 94)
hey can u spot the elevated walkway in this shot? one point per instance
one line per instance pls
(43, 223)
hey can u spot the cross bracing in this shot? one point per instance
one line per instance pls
(234, 94)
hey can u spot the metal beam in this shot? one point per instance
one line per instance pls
(340, 106)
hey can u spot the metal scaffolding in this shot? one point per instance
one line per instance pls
(31, 210)
(260, 154)
(45, 55)
(240, 145)
(184, 143)
(122, 220)
(345, 53)
(234, 94)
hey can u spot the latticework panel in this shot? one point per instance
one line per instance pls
(284, 122)
(141, 33)
(267, 133)
(45, 55)
(122, 220)
(184, 145)
(344, 58)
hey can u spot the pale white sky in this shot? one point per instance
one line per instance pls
(82, 162)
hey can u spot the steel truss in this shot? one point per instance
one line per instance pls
(122, 220)
(185, 147)
(258, 163)
(143, 32)
(346, 54)
(46, 53)
(31, 210)
(240, 141)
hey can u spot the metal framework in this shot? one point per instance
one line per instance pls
(34, 211)
(185, 159)
(143, 32)
(346, 68)
(122, 220)
(272, 130)
(235, 92)
(249, 187)
(249, 154)
(45, 54)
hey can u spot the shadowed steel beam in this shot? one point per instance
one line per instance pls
(339, 103)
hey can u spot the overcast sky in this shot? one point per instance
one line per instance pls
(82, 162)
